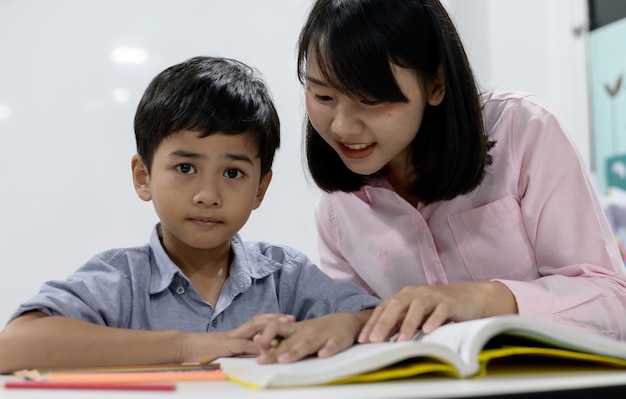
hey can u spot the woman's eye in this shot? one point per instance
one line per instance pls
(323, 98)
(233, 173)
(185, 168)
(370, 102)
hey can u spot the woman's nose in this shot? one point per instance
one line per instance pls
(346, 122)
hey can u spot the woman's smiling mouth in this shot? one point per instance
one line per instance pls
(357, 150)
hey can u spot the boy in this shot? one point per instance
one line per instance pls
(206, 132)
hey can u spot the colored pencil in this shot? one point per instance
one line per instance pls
(131, 369)
(87, 385)
(134, 377)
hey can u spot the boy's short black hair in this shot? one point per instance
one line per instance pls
(353, 42)
(209, 95)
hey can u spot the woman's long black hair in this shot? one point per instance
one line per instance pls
(353, 42)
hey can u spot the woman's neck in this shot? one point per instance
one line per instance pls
(400, 185)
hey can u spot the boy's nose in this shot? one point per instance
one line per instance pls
(208, 194)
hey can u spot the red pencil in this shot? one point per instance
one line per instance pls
(88, 385)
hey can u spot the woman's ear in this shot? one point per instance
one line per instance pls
(263, 185)
(141, 178)
(436, 88)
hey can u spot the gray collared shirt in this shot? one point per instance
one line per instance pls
(141, 288)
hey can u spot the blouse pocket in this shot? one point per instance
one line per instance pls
(493, 242)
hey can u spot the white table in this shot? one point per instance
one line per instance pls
(418, 388)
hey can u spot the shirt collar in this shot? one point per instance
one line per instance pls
(365, 193)
(163, 269)
(246, 266)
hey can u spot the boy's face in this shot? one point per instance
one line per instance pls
(203, 189)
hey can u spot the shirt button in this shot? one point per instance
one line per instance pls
(214, 323)
(180, 290)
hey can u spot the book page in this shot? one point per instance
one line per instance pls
(359, 359)
(468, 339)
(460, 338)
(458, 345)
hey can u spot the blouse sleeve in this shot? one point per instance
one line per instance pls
(331, 260)
(582, 281)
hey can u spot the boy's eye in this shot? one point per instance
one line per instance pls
(233, 173)
(185, 168)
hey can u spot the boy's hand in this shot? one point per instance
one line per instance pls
(206, 347)
(325, 336)
(428, 307)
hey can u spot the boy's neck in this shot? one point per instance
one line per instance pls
(206, 269)
(209, 281)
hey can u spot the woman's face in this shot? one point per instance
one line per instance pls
(367, 135)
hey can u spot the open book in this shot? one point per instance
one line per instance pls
(460, 350)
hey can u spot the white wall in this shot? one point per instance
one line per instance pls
(66, 142)
(537, 46)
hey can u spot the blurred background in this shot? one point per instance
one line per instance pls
(72, 73)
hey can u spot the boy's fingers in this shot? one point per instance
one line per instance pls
(331, 347)
(291, 350)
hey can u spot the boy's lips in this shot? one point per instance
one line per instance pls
(203, 220)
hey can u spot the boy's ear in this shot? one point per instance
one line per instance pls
(263, 185)
(141, 178)
(436, 88)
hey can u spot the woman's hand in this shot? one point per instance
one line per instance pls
(324, 336)
(428, 307)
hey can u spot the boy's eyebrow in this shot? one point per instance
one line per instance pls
(240, 157)
(194, 155)
(184, 154)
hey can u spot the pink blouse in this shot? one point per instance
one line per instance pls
(534, 223)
